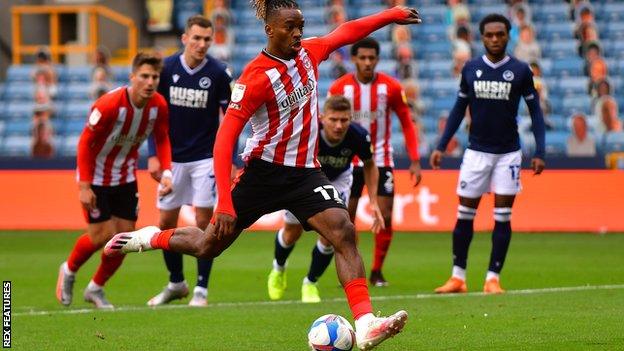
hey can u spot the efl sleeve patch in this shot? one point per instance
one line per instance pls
(95, 116)
(238, 92)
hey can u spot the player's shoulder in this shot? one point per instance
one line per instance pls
(357, 131)
(389, 80)
(111, 99)
(216, 64)
(255, 73)
(159, 100)
(171, 61)
(519, 64)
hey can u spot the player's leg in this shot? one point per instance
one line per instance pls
(285, 240)
(94, 292)
(86, 245)
(383, 238)
(204, 265)
(176, 288)
(474, 180)
(322, 255)
(505, 184)
(335, 226)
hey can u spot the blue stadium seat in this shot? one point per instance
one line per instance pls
(444, 103)
(436, 69)
(121, 73)
(614, 142)
(19, 110)
(74, 126)
(18, 127)
(19, 91)
(556, 142)
(571, 66)
(430, 124)
(478, 12)
(556, 30)
(19, 73)
(576, 103)
(16, 145)
(76, 91)
(560, 48)
(573, 85)
(76, 110)
(69, 145)
(435, 51)
(76, 74)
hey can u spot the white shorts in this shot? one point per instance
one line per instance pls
(193, 184)
(342, 184)
(482, 172)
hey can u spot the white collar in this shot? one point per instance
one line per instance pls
(190, 70)
(497, 64)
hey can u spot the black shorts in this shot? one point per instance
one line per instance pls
(121, 201)
(385, 187)
(264, 187)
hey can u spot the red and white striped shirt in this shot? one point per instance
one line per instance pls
(108, 146)
(280, 98)
(372, 105)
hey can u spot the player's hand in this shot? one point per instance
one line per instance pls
(415, 173)
(224, 225)
(435, 159)
(538, 165)
(87, 198)
(153, 167)
(165, 187)
(234, 173)
(378, 221)
(413, 17)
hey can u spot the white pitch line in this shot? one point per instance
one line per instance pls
(337, 299)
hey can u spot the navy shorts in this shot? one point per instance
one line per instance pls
(385, 187)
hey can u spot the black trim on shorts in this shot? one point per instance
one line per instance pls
(264, 187)
(121, 201)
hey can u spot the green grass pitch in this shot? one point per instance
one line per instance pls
(587, 314)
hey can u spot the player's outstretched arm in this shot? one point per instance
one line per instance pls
(371, 179)
(352, 31)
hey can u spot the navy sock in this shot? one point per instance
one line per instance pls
(320, 262)
(173, 261)
(462, 236)
(501, 236)
(281, 252)
(204, 266)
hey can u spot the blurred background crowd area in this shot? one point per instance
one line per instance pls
(575, 49)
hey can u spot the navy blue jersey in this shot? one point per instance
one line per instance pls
(493, 92)
(194, 97)
(336, 159)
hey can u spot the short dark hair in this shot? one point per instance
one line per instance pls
(337, 103)
(197, 20)
(494, 17)
(367, 43)
(143, 58)
(267, 8)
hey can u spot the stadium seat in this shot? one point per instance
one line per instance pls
(69, 145)
(555, 30)
(76, 74)
(76, 110)
(76, 91)
(121, 73)
(19, 110)
(570, 66)
(16, 145)
(573, 85)
(19, 73)
(18, 127)
(19, 91)
(614, 142)
(560, 48)
(556, 142)
(576, 103)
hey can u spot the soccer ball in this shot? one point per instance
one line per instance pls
(331, 332)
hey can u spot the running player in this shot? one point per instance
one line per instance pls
(107, 160)
(374, 96)
(339, 142)
(491, 86)
(277, 92)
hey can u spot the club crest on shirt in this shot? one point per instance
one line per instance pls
(238, 92)
(479, 73)
(205, 83)
(306, 63)
(95, 213)
(175, 78)
(508, 75)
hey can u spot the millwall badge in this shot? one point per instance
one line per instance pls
(508, 75)
(205, 83)
(479, 73)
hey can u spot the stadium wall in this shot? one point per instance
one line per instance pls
(558, 200)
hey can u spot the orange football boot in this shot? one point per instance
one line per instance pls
(453, 285)
(492, 286)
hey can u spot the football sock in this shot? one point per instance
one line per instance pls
(161, 239)
(382, 244)
(108, 266)
(175, 266)
(83, 249)
(204, 266)
(282, 251)
(491, 275)
(459, 272)
(176, 286)
(321, 258)
(501, 236)
(358, 297)
(462, 235)
(94, 286)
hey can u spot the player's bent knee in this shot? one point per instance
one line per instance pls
(502, 214)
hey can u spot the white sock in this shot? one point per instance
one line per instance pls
(459, 273)
(176, 286)
(93, 286)
(362, 322)
(307, 281)
(66, 269)
(277, 267)
(491, 275)
(201, 290)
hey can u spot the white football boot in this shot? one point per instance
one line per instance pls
(136, 241)
(379, 329)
